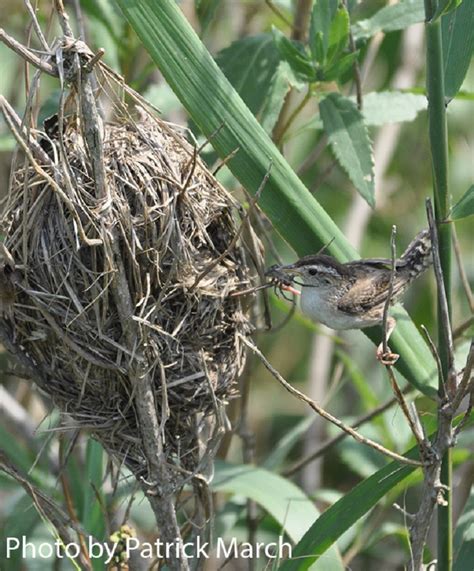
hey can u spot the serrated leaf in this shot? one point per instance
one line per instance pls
(390, 19)
(294, 54)
(349, 140)
(465, 206)
(383, 107)
(321, 17)
(338, 35)
(339, 68)
(458, 46)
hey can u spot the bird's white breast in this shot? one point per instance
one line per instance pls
(318, 306)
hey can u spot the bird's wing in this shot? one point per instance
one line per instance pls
(368, 292)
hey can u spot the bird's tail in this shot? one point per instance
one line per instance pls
(417, 257)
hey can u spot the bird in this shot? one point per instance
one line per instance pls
(353, 295)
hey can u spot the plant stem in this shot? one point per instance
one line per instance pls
(439, 152)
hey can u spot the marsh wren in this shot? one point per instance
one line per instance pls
(353, 295)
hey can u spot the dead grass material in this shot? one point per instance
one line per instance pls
(167, 220)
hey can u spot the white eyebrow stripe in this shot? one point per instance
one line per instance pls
(323, 269)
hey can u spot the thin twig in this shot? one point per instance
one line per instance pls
(47, 508)
(466, 378)
(460, 329)
(36, 26)
(355, 65)
(27, 54)
(442, 299)
(301, 396)
(411, 415)
(336, 439)
(388, 301)
(278, 13)
(433, 349)
(462, 272)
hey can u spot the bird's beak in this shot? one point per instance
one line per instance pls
(281, 274)
(289, 270)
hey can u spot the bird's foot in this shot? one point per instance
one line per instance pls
(387, 358)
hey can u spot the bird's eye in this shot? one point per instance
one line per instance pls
(312, 271)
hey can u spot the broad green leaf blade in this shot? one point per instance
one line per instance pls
(390, 19)
(294, 54)
(284, 501)
(93, 518)
(465, 206)
(464, 538)
(282, 448)
(251, 64)
(350, 508)
(20, 520)
(219, 111)
(343, 514)
(458, 46)
(349, 140)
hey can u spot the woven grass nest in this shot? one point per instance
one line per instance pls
(163, 223)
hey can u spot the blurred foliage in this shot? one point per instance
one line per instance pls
(286, 84)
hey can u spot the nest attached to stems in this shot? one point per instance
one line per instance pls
(165, 221)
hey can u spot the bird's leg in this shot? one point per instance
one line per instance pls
(387, 358)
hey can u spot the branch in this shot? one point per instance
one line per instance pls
(27, 54)
(301, 396)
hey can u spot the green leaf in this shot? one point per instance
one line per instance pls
(391, 107)
(383, 107)
(206, 11)
(250, 65)
(321, 17)
(350, 142)
(294, 54)
(212, 103)
(444, 7)
(277, 90)
(20, 518)
(284, 501)
(458, 46)
(465, 206)
(281, 450)
(338, 35)
(464, 537)
(339, 68)
(93, 517)
(104, 11)
(390, 19)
